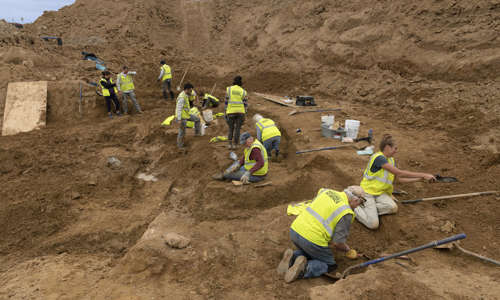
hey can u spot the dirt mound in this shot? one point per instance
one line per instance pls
(426, 73)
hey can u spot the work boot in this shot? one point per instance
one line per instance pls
(297, 270)
(285, 262)
(110, 115)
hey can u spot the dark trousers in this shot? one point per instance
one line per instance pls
(113, 98)
(234, 121)
(166, 86)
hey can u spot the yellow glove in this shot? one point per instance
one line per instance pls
(351, 254)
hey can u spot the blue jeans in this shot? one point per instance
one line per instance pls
(320, 260)
(237, 175)
(272, 143)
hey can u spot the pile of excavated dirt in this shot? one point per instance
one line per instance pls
(76, 226)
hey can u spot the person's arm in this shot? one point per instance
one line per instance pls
(259, 133)
(227, 97)
(407, 180)
(242, 161)
(341, 233)
(118, 80)
(259, 160)
(161, 74)
(407, 174)
(179, 107)
(106, 84)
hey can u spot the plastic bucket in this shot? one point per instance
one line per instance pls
(328, 120)
(208, 116)
(352, 128)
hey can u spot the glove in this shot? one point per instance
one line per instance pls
(351, 254)
(235, 166)
(245, 178)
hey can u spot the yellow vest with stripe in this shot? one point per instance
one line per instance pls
(126, 82)
(167, 73)
(267, 129)
(208, 96)
(235, 103)
(105, 91)
(250, 163)
(379, 182)
(185, 110)
(317, 223)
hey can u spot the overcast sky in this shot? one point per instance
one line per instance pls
(30, 10)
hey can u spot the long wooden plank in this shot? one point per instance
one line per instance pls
(276, 99)
(25, 107)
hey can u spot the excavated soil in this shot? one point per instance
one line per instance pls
(74, 227)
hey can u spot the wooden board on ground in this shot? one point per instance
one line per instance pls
(276, 99)
(25, 107)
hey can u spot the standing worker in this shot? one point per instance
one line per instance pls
(125, 84)
(236, 104)
(109, 92)
(326, 221)
(268, 134)
(182, 114)
(166, 79)
(252, 167)
(377, 181)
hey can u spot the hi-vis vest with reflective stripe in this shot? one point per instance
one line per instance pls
(105, 91)
(126, 82)
(317, 223)
(235, 103)
(167, 73)
(379, 182)
(268, 129)
(208, 96)
(250, 163)
(185, 110)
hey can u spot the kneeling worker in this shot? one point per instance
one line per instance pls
(208, 100)
(252, 167)
(326, 221)
(183, 115)
(268, 134)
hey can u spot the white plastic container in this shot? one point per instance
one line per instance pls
(327, 120)
(352, 128)
(208, 116)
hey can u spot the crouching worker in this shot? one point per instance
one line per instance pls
(268, 134)
(377, 182)
(208, 100)
(326, 221)
(252, 167)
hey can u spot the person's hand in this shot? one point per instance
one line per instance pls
(351, 254)
(429, 178)
(245, 178)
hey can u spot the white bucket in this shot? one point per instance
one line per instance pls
(352, 128)
(327, 120)
(208, 116)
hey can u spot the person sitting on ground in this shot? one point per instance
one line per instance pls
(268, 134)
(377, 182)
(325, 222)
(252, 167)
(208, 100)
(183, 115)
(109, 91)
(125, 84)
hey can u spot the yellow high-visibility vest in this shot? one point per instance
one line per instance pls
(379, 182)
(185, 110)
(250, 163)
(167, 72)
(235, 103)
(268, 129)
(208, 96)
(105, 91)
(317, 223)
(126, 82)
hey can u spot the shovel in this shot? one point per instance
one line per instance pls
(294, 112)
(444, 179)
(213, 89)
(432, 244)
(449, 197)
(456, 245)
(329, 148)
(185, 72)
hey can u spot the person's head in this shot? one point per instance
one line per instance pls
(246, 138)
(106, 74)
(125, 69)
(162, 62)
(188, 88)
(388, 146)
(257, 118)
(355, 195)
(238, 80)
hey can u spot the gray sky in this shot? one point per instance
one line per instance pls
(30, 10)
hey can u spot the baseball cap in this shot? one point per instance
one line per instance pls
(243, 137)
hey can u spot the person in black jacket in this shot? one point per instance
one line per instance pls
(109, 92)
